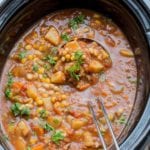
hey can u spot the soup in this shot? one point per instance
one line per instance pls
(68, 58)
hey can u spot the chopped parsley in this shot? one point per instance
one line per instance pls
(74, 69)
(54, 50)
(8, 93)
(78, 57)
(73, 23)
(18, 111)
(48, 127)
(15, 109)
(43, 113)
(47, 66)
(50, 60)
(65, 37)
(10, 79)
(122, 119)
(35, 67)
(22, 54)
(57, 136)
(25, 111)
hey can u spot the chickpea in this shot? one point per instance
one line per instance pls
(63, 59)
(64, 52)
(29, 76)
(68, 57)
(39, 102)
(28, 47)
(63, 96)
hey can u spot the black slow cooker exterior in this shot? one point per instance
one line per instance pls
(133, 16)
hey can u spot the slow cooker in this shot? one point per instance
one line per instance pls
(133, 16)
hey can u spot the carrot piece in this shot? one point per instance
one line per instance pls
(39, 146)
(17, 85)
(39, 130)
(73, 45)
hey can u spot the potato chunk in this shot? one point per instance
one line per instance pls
(58, 78)
(32, 92)
(95, 66)
(53, 36)
(77, 124)
(20, 143)
(24, 128)
(88, 140)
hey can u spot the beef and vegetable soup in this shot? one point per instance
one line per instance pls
(68, 58)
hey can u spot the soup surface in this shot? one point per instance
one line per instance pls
(52, 73)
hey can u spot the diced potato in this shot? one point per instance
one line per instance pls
(77, 124)
(88, 139)
(39, 146)
(54, 121)
(58, 78)
(72, 46)
(19, 71)
(95, 66)
(32, 92)
(24, 128)
(20, 143)
(105, 55)
(53, 36)
(33, 140)
(126, 53)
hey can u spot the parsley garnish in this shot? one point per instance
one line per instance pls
(122, 119)
(73, 71)
(25, 111)
(65, 37)
(22, 54)
(8, 93)
(35, 68)
(54, 50)
(76, 67)
(18, 111)
(78, 57)
(48, 127)
(15, 109)
(73, 23)
(57, 137)
(50, 60)
(43, 113)
(10, 79)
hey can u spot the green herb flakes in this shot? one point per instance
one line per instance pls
(50, 60)
(122, 119)
(73, 23)
(65, 37)
(57, 137)
(22, 54)
(35, 67)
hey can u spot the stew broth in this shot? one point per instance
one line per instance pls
(52, 73)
